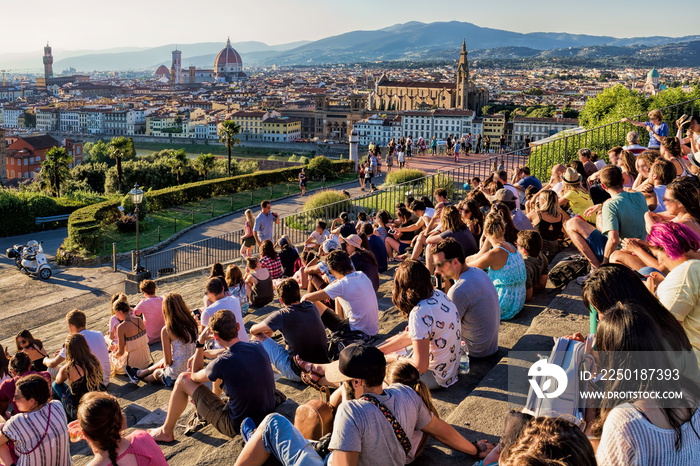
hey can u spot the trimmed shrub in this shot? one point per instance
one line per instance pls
(320, 167)
(84, 225)
(129, 206)
(304, 160)
(323, 205)
(323, 198)
(293, 158)
(19, 209)
(404, 175)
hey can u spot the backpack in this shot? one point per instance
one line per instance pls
(345, 337)
(572, 356)
(567, 269)
(314, 419)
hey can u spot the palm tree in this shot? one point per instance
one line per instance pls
(177, 159)
(55, 168)
(227, 134)
(120, 148)
(204, 163)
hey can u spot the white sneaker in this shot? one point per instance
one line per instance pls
(582, 279)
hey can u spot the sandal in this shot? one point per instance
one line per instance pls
(305, 366)
(311, 379)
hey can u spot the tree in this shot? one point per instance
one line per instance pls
(177, 160)
(98, 152)
(204, 163)
(487, 110)
(119, 149)
(55, 168)
(611, 105)
(227, 135)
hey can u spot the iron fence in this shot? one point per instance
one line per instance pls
(562, 149)
(297, 227)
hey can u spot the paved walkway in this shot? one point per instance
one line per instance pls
(53, 238)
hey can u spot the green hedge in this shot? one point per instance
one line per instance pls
(403, 175)
(19, 209)
(85, 225)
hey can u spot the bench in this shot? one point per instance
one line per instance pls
(55, 218)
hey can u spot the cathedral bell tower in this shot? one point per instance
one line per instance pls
(462, 94)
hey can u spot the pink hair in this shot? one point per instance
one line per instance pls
(674, 238)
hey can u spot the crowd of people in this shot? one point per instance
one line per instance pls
(463, 267)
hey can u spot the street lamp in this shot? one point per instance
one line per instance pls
(137, 197)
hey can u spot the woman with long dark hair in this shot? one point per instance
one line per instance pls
(610, 284)
(81, 373)
(101, 422)
(178, 336)
(4, 365)
(636, 429)
(270, 260)
(34, 348)
(433, 326)
(504, 265)
(472, 217)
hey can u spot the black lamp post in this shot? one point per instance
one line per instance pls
(137, 197)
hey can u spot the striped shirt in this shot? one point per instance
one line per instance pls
(274, 266)
(33, 448)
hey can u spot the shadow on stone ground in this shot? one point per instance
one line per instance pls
(476, 405)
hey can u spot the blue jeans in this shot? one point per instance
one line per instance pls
(281, 359)
(281, 439)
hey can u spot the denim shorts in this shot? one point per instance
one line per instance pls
(597, 241)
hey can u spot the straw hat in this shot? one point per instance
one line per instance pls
(571, 176)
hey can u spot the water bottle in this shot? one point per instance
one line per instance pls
(464, 360)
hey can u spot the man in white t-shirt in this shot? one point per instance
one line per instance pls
(356, 301)
(318, 236)
(215, 294)
(77, 322)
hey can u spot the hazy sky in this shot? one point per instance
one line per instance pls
(82, 24)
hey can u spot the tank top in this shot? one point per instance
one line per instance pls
(549, 231)
(263, 292)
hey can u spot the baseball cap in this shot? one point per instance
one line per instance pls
(331, 244)
(504, 195)
(357, 361)
(354, 240)
(283, 240)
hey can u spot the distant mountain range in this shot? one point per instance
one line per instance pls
(413, 41)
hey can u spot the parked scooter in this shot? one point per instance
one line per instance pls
(30, 259)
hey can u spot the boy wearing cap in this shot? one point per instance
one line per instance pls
(362, 433)
(506, 197)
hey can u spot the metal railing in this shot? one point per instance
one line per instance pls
(563, 149)
(297, 227)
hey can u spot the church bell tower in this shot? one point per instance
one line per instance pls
(462, 94)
